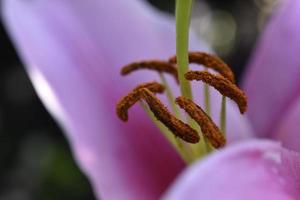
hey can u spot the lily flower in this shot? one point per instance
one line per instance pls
(73, 52)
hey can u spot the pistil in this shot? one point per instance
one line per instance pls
(183, 15)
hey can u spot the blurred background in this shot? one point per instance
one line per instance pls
(35, 159)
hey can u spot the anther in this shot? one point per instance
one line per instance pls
(130, 99)
(156, 65)
(209, 61)
(223, 85)
(208, 127)
(176, 126)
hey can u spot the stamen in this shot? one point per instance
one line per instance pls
(156, 65)
(223, 85)
(209, 61)
(130, 99)
(208, 127)
(176, 126)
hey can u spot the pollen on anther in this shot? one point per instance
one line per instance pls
(208, 127)
(223, 85)
(209, 61)
(156, 65)
(176, 126)
(134, 96)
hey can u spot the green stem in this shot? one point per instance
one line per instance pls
(207, 99)
(170, 96)
(169, 136)
(178, 142)
(183, 12)
(200, 149)
(223, 116)
(208, 112)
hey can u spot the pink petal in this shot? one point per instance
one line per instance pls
(257, 170)
(73, 51)
(288, 130)
(272, 80)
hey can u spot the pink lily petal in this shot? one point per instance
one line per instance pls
(73, 51)
(288, 130)
(272, 80)
(251, 170)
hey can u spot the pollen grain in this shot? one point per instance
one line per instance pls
(176, 126)
(223, 85)
(208, 127)
(156, 65)
(132, 97)
(209, 61)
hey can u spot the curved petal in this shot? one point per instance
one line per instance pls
(73, 50)
(272, 80)
(288, 131)
(251, 170)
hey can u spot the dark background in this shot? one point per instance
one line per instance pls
(35, 159)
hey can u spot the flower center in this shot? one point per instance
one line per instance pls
(195, 135)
